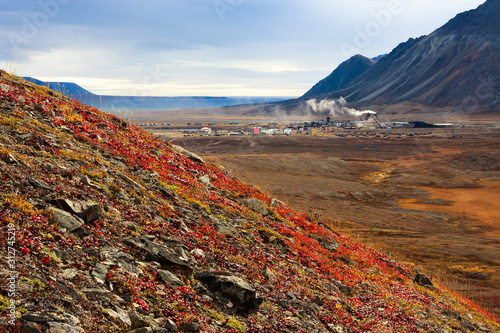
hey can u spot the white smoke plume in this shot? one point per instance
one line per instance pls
(335, 107)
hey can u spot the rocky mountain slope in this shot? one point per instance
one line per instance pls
(341, 76)
(106, 228)
(456, 67)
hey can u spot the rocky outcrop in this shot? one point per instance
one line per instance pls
(87, 211)
(255, 205)
(237, 290)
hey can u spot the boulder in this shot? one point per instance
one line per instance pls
(274, 203)
(112, 256)
(55, 327)
(237, 290)
(66, 220)
(159, 253)
(120, 314)
(189, 154)
(99, 273)
(205, 180)
(137, 321)
(98, 292)
(198, 253)
(268, 274)
(88, 211)
(423, 280)
(142, 330)
(170, 278)
(255, 205)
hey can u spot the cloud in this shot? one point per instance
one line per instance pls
(270, 47)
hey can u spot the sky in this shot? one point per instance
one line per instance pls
(205, 47)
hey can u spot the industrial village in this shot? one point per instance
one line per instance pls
(323, 126)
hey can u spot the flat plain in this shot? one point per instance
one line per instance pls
(431, 198)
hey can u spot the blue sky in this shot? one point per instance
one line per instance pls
(205, 47)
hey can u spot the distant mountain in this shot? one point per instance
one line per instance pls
(456, 67)
(377, 58)
(149, 103)
(66, 88)
(342, 75)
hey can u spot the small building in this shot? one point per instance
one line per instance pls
(313, 131)
(206, 130)
(257, 130)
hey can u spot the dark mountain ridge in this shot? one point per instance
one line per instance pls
(342, 75)
(455, 67)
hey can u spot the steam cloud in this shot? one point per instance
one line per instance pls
(335, 107)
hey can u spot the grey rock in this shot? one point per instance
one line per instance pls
(86, 181)
(168, 192)
(189, 154)
(137, 321)
(274, 203)
(69, 273)
(198, 253)
(55, 327)
(170, 278)
(131, 182)
(99, 273)
(112, 256)
(255, 205)
(30, 327)
(142, 330)
(171, 325)
(37, 317)
(69, 291)
(205, 180)
(268, 274)
(10, 159)
(234, 288)
(190, 327)
(120, 314)
(37, 183)
(86, 210)
(95, 292)
(159, 253)
(331, 246)
(66, 220)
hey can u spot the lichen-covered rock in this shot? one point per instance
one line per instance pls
(88, 211)
(255, 205)
(66, 220)
(234, 288)
(170, 278)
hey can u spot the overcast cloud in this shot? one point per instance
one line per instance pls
(205, 47)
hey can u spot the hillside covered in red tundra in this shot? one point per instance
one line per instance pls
(106, 228)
